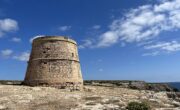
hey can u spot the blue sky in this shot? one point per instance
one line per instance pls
(117, 39)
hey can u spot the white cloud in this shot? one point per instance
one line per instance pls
(16, 39)
(96, 27)
(86, 44)
(143, 23)
(107, 39)
(24, 56)
(100, 70)
(64, 28)
(6, 53)
(31, 39)
(165, 46)
(151, 53)
(7, 25)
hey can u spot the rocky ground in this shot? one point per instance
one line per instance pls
(16, 97)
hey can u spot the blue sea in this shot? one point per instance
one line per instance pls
(175, 85)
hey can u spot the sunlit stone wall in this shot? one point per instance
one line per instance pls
(54, 62)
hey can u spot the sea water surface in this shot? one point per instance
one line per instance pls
(175, 85)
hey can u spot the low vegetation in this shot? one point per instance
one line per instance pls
(138, 106)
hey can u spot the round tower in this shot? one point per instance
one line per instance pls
(54, 62)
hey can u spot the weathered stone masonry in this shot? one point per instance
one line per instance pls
(54, 62)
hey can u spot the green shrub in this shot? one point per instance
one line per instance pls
(138, 106)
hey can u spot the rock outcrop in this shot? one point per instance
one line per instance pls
(139, 85)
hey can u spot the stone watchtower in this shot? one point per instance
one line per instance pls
(54, 62)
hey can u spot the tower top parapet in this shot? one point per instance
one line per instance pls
(54, 38)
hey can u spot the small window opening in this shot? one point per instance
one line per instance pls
(52, 41)
(48, 48)
(72, 54)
